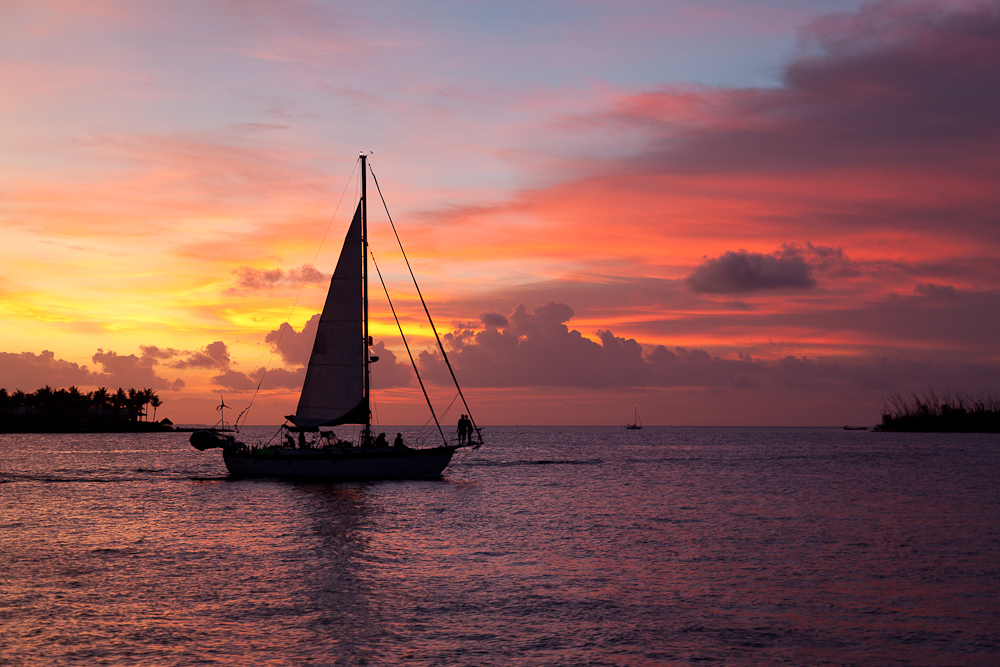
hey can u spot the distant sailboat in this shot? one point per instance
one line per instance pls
(636, 423)
(337, 390)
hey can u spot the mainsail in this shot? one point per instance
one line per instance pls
(334, 388)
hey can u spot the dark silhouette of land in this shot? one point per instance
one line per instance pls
(70, 410)
(943, 414)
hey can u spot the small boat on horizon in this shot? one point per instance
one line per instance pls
(636, 422)
(337, 390)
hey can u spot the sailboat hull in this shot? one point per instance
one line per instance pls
(341, 463)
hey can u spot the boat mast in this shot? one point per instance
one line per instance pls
(366, 434)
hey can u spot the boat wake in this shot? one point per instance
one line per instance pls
(539, 462)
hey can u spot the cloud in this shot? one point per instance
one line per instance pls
(893, 83)
(154, 352)
(494, 320)
(251, 279)
(213, 355)
(234, 380)
(283, 377)
(296, 347)
(743, 271)
(538, 349)
(130, 370)
(389, 372)
(274, 378)
(826, 260)
(935, 291)
(29, 371)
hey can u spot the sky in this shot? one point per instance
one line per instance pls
(723, 213)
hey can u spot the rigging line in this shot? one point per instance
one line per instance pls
(444, 354)
(271, 439)
(302, 286)
(448, 409)
(407, 346)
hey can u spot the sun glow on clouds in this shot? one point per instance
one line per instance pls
(833, 229)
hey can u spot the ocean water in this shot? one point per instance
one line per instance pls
(549, 546)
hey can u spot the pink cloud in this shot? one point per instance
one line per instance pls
(538, 349)
(213, 355)
(29, 371)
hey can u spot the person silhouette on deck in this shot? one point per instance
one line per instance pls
(398, 442)
(464, 429)
(380, 441)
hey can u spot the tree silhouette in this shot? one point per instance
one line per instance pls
(49, 409)
(155, 402)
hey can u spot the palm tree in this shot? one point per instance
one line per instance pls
(19, 399)
(119, 401)
(154, 400)
(101, 398)
(43, 396)
(135, 403)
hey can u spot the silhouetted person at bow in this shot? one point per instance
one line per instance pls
(398, 442)
(464, 430)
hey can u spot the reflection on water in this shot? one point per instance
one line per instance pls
(550, 546)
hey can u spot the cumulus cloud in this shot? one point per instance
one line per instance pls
(29, 371)
(234, 380)
(274, 378)
(295, 347)
(494, 320)
(538, 349)
(283, 377)
(213, 355)
(742, 271)
(154, 352)
(388, 371)
(129, 370)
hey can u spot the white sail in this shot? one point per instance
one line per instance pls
(334, 388)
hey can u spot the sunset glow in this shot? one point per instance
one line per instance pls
(726, 213)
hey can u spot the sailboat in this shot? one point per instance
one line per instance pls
(337, 390)
(636, 423)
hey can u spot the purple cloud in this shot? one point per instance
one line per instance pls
(538, 349)
(213, 355)
(294, 347)
(28, 371)
(742, 271)
(234, 380)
